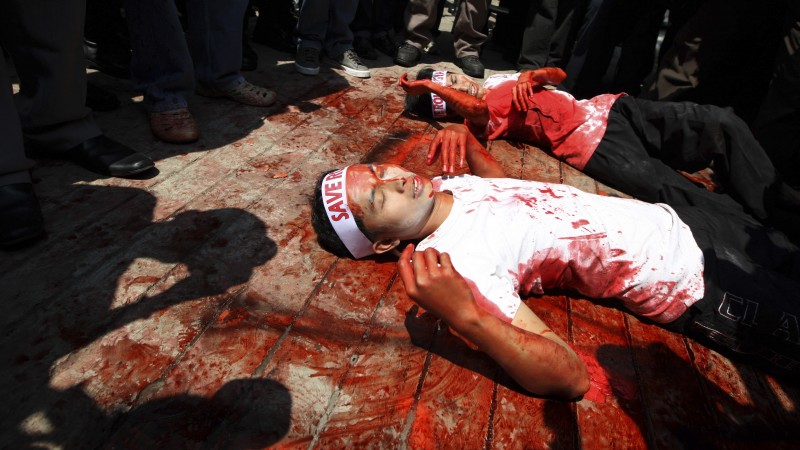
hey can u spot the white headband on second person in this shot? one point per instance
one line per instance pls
(334, 195)
(438, 105)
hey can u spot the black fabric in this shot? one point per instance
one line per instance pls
(751, 306)
(646, 141)
(752, 271)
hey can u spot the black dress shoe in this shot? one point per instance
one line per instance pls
(20, 216)
(108, 157)
(407, 56)
(113, 60)
(471, 65)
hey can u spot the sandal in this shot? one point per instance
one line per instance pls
(246, 93)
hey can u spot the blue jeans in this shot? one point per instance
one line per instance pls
(166, 63)
(325, 24)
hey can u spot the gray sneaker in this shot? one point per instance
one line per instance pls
(351, 64)
(307, 61)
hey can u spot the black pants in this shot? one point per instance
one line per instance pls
(752, 270)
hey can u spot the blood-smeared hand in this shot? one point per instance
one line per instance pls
(450, 144)
(532, 81)
(417, 87)
(433, 283)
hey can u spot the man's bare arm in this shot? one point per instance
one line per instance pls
(455, 143)
(539, 361)
(473, 109)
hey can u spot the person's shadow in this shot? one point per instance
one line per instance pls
(212, 254)
(684, 409)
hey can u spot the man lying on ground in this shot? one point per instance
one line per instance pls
(711, 272)
(634, 145)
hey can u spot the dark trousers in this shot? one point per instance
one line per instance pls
(44, 41)
(752, 271)
(547, 35)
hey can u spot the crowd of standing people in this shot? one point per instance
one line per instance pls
(663, 50)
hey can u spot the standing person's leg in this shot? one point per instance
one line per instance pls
(419, 17)
(339, 40)
(20, 216)
(537, 35)
(590, 23)
(606, 31)
(567, 23)
(776, 126)
(638, 46)
(751, 305)
(339, 37)
(44, 40)
(215, 42)
(14, 166)
(468, 36)
(46, 46)
(383, 26)
(161, 68)
(312, 26)
(362, 26)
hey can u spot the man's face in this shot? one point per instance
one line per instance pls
(391, 201)
(464, 84)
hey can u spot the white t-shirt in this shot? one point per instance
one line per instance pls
(509, 237)
(493, 81)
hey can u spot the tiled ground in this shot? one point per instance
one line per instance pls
(194, 309)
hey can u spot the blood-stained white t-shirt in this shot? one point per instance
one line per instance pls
(509, 237)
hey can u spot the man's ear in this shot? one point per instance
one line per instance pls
(384, 245)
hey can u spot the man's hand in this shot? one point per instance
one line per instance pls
(524, 88)
(432, 282)
(532, 81)
(450, 144)
(456, 143)
(417, 87)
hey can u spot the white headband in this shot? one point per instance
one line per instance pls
(438, 105)
(334, 195)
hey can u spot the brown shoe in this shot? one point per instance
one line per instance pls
(176, 126)
(246, 93)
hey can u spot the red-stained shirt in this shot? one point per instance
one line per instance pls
(570, 128)
(509, 237)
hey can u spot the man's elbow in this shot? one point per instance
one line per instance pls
(579, 386)
(570, 386)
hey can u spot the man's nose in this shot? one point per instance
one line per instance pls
(397, 183)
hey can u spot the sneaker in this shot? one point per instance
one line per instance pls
(352, 65)
(364, 49)
(407, 55)
(471, 65)
(385, 44)
(307, 61)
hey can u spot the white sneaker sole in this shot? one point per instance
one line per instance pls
(306, 70)
(355, 72)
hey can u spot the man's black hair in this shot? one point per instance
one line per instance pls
(326, 235)
(420, 105)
